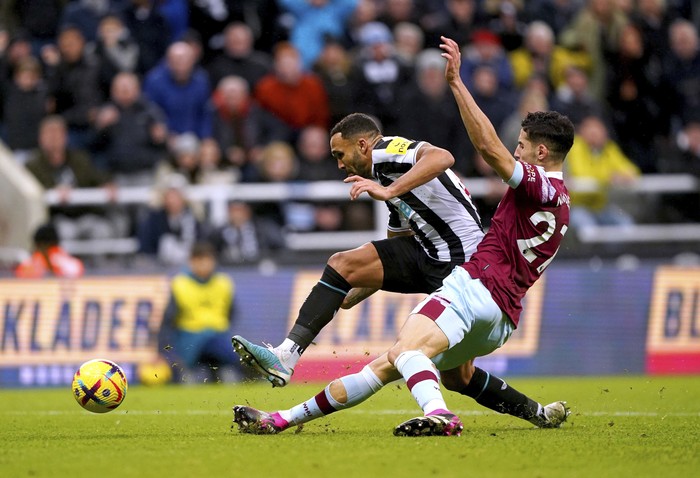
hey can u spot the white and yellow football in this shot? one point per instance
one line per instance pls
(99, 386)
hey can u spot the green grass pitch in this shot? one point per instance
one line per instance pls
(619, 427)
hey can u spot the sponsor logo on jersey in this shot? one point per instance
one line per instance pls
(398, 146)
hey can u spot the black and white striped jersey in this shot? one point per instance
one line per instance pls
(441, 212)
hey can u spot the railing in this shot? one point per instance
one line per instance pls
(216, 198)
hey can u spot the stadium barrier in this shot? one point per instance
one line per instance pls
(577, 320)
(215, 197)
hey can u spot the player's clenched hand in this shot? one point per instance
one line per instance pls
(450, 52)
(363, 185)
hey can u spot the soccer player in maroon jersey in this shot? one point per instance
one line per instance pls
(478, 307)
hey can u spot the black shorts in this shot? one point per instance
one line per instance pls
(407, 268)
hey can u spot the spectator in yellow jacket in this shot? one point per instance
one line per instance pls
(540, 56)
(195, 329)
(597, 163)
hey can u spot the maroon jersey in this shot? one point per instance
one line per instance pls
(525, 234)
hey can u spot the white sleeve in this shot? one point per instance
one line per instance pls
(517, 176)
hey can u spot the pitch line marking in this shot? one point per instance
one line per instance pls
(227, 411)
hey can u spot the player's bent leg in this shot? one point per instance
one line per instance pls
(494, 393)
(256, 422)
(264, 360)
(360, 267)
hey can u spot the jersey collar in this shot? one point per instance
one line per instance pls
(555, 174)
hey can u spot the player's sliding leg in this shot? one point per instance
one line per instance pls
(494, 393)
(420, 334)
(345, 392)
(362, 267)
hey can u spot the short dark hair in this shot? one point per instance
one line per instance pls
(356, 124)
(202, 249)
(552, 129)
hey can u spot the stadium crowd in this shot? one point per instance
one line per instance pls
(167, 93)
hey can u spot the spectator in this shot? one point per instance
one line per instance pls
(595, 30)
(496, 103)
(264, 17)
(246, 239)
(654, 19)
(598, 161)
(379, 75)
(367, 11)
(333, 67)
(400, 11)
(279, 164)
(85, 15)
(429, 111)
(130, 133)
(295, 97)
(683, 157)
(317, 164)
(195, 328)
(409, 41)
(314, 153)
(574, 99)
(242, 127)
(541, 56)
(558, 14)
(169, 231)
(681, 77)
(460, 19)
(181, 89)
(687, 149)
(632, 89)
(183, 159)
(149, 29)
(486, 49)
(116, 50)
(24, 105)
(314, 22)
(210, 19)
(212, 169)
(21, 15)
(239, 58)
(15, 49)
(56, 166)
(73, 84)
(508, 27)
(48, 258)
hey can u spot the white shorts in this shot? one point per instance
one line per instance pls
(465, 311)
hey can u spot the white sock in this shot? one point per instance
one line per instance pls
(289, 353)
(313, 408)
(358, 388)
(422, 380)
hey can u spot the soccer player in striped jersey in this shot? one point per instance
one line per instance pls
(478, 307)
(433, 227)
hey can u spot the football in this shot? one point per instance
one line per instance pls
(99, 386)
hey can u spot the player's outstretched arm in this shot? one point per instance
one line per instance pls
(481, 131)
(431, 162)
